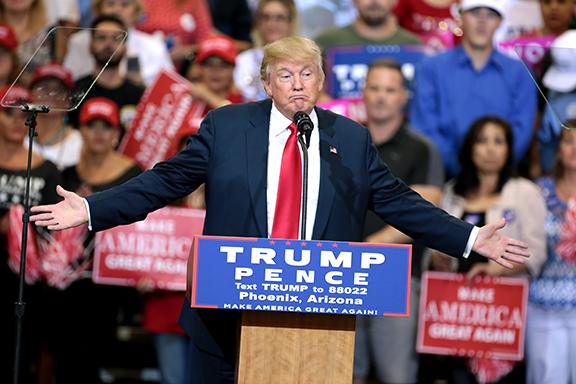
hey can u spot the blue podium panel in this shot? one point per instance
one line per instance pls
(301, 276)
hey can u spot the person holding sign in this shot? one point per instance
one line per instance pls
(485, 191)
(248, 157)
(551, 319)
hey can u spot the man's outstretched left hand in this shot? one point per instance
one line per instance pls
(502, 249)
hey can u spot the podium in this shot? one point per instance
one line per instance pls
(299, 300)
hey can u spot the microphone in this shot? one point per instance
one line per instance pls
(305, 125)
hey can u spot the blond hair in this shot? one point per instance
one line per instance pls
(289, 5)
(37, 13)
(294, 49)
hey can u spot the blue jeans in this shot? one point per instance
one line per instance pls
(173, 353)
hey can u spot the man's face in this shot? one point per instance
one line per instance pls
(479, 25)
(105, 40)
(374, 12)
(384, 95)
(557, 14)
(294, 86)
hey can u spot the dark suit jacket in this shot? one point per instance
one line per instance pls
(230, 155)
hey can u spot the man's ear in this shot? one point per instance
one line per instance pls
(267, 88)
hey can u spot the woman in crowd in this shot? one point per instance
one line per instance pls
(551, 324)
(83, 335)
(486, 191)
(275, 19)
(44, 178)
(9, 61)
(57, 141)
(213, 82)
(28, 20)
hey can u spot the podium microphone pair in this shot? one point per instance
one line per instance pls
(305, 126)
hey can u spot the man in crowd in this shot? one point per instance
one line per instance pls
(471, 80)
(388, 343)
(247, 154)
(375, 24)
(106, 44)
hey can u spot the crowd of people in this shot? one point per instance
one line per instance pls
(480, 132)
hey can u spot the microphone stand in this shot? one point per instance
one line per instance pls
(20, 305)
(304, 185)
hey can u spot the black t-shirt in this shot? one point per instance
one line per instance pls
(44, 179)
(71, 179)
(126, 96)
(408, 158)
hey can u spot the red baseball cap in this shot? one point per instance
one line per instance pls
(15, 95)
(220, 46)
(55, 71)
(100, 108)
(8, 37)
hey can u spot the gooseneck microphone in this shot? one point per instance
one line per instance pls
(305, 125)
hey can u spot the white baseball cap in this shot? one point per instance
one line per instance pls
(561, 76)
(497, 5)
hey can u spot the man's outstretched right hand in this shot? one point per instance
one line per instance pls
(68, 213)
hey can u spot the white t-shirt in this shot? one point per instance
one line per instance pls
(65, 153)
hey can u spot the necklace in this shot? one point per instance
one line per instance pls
(56, 136)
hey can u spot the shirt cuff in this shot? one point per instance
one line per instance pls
(88, 212)
(470, 243)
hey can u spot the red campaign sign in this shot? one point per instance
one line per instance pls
(166, 113)
(483, 319)
(155, 249)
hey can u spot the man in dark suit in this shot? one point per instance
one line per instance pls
(239, 154)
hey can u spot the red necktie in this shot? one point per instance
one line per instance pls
(289, 198)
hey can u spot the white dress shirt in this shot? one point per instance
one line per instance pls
(278, 135)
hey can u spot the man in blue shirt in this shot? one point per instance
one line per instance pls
(471, 80)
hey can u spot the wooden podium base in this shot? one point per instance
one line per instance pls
(299, 348)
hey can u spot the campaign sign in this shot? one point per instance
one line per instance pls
(301, 276)
(349, 65)
(351, 108)
(485, 318)
(164, 115)
(531, 50)
(155, 249)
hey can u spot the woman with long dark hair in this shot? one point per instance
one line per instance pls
(551, 324)
(486, 191)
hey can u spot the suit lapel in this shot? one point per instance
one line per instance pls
(328, 155)
(257, 155)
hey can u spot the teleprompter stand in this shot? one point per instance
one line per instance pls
(20, 305)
